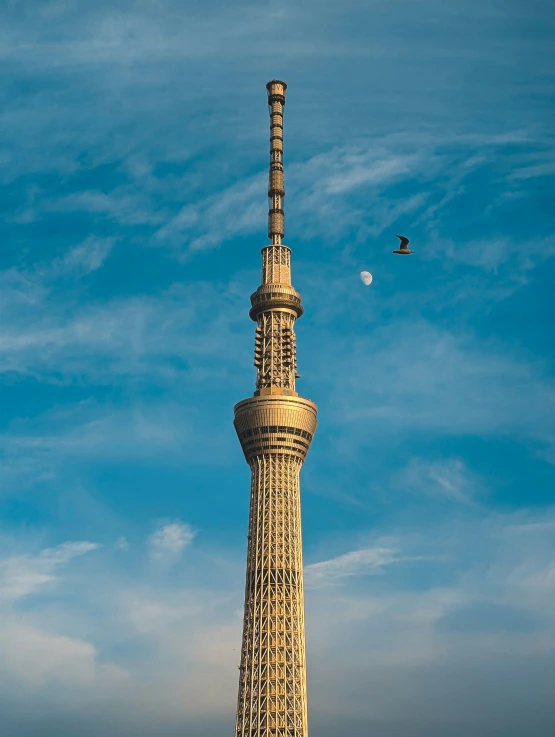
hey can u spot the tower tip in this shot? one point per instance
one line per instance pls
(273, 84)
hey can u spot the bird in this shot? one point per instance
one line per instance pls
(404, 250)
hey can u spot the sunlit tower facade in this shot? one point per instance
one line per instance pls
(275, 429)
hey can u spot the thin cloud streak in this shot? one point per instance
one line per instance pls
(367, 561)
(448, 479)
(132, 335)
(22, 575)
(474, 391)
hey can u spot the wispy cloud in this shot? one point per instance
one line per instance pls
(348, 169)
(22, 575)
(239, 210)
(168, 542)
(443, 382)
(492, 253)
(124, 35)
(366, 561)
(39, 659)
(129, 335)
(128, 209)
(82, 259)
(62, 439)
(448, 479)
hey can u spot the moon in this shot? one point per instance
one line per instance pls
(366, 277)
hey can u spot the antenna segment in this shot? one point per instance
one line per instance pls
(276, 188)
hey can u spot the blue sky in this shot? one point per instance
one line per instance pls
(134, 158)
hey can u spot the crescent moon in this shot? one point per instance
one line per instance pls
(366, 278)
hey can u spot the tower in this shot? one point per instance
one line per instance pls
(275, 429)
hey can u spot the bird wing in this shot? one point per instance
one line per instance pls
(404, 241)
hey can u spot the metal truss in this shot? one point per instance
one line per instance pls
(275, 352)
(272, 686)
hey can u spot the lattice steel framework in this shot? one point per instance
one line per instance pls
(275, 428)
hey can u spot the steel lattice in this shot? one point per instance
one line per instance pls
(272, 687)
(275, 352)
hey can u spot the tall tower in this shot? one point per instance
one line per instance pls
(275, 429)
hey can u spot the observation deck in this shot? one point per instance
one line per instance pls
(273, 297)
(275, 425)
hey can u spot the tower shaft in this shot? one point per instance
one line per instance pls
(275, 428)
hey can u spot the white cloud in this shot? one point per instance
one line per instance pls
(366, 561)
(22, 575)
(84, 258)
(449, 479)
(515, 257)
(440, 381)
(39, 658)
(120, 206)
(35, 285)
(136, 335)
(350, 169)
(169, 540)
(152, 613)
(207, 224)
(124, 36)
(59, 441)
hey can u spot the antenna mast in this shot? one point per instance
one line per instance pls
(276, 188)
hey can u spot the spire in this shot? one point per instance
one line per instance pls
(276, 190)
(276, 258)
(276, 304)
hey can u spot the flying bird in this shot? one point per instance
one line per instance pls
(404, 250)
